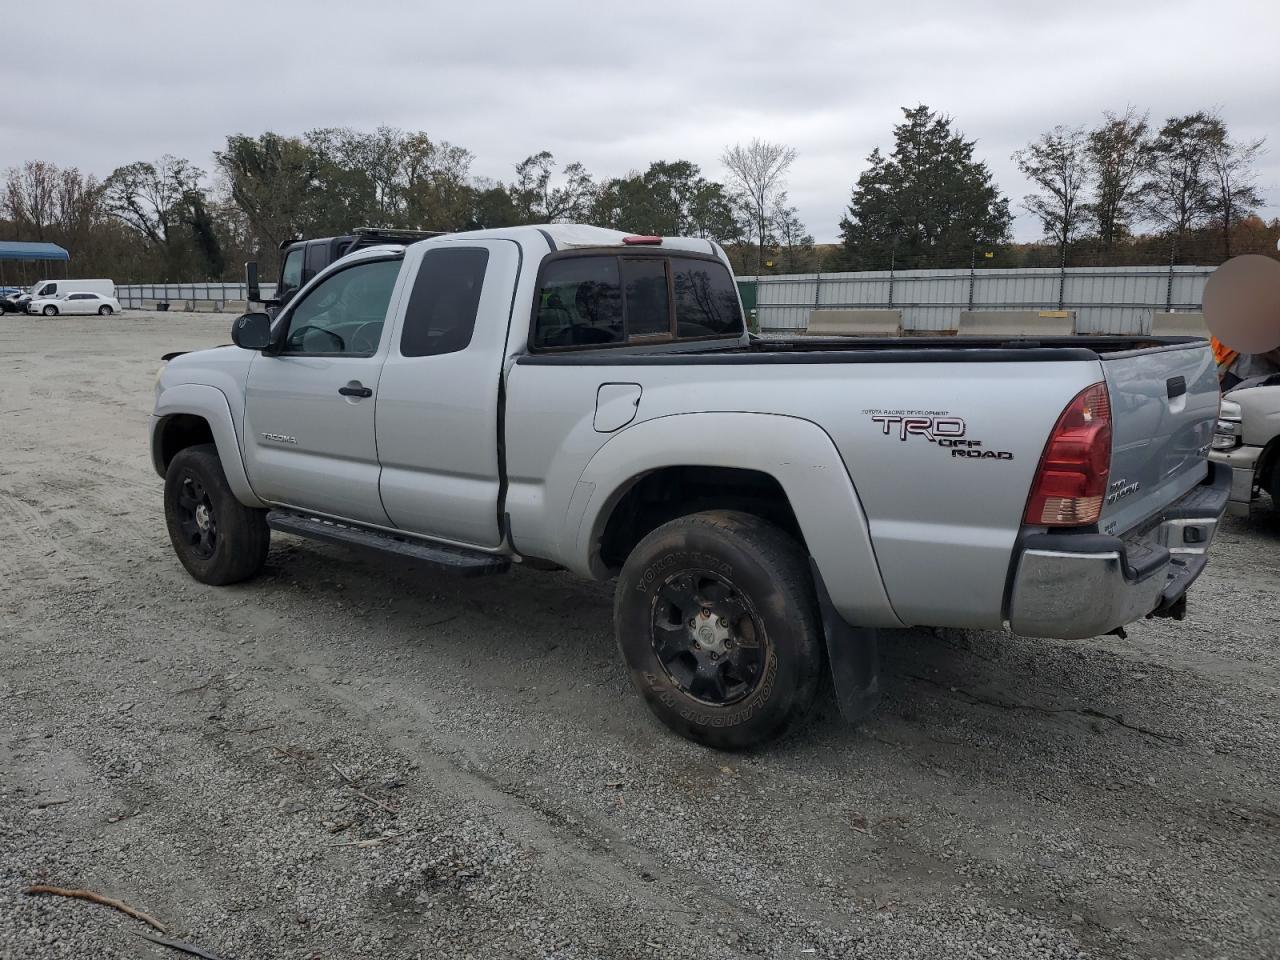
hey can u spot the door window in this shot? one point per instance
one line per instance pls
(441, 315)
(291, 275)
(345, 312)
(48, 290)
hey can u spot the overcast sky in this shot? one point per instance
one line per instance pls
(617, 85)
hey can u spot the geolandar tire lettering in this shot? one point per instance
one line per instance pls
(718, 623)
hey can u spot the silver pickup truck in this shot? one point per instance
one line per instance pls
(573, 397)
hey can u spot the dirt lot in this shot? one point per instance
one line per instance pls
(346, 758)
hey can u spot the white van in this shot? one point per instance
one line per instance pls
(60, 288)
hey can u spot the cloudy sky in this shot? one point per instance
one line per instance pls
(616, 85)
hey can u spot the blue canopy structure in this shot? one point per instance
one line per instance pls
(26, 250)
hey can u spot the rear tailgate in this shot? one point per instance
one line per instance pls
(1164, 403)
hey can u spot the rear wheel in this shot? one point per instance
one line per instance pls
(218, 539)
(104, 311)
(50, 311)
(718, 622)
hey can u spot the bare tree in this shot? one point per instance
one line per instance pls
(1057, 163)
(1118, 152)
(31, 197)
(1177, 189)
(795, 241)
(149, 197)
(1233, 183)
(538, 200)
(758, 171)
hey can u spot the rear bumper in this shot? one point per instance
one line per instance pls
(1074, 585)
(1243, 464)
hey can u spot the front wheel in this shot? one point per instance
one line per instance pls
(104, 311)
(218, 539)
(50, 311)
(718, 622)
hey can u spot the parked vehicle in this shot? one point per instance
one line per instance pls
(72, 303)
(1247, 440)
(47, 289)
(572, 397)
(14, 301)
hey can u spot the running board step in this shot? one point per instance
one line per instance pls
(455, 560)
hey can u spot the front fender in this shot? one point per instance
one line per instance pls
(210, 404)
(795, 452)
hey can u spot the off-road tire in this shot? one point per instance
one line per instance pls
(768, 570)
(236, 548)
(50, 311)
(105, 310)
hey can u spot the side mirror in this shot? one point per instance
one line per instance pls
(252, 292)
(252, 331)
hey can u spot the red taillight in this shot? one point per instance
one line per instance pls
(640, 241)
(1072, 478)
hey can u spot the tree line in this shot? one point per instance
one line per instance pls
(1124, 191)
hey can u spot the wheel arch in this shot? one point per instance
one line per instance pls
(189, 414)
(782, 468)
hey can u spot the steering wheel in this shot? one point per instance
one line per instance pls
(295, 336)
(360, 332)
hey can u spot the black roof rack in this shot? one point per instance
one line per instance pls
(386, 233)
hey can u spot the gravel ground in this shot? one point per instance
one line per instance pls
(351, 758)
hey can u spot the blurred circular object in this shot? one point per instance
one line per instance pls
(1242, 303)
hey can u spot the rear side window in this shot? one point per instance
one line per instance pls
(441, 316)
(706, 299)
(580, 303)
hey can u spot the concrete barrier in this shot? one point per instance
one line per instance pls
(854, 323)
(1189, 323)
(1017, 323)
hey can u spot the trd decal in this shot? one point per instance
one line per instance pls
(931, 428)
(935, 426)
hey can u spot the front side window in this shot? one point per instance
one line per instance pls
(291, 275)
(706, 299)
(49, 290)
(441, 315)
(580, 303)
(345, 312)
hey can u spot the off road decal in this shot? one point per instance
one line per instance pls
(937, 427)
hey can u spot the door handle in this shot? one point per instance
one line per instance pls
(355, 389)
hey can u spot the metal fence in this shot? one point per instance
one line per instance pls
(207, 295)
(1115, 300)
(1107, 300)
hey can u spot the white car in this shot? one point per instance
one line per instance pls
(75, 303)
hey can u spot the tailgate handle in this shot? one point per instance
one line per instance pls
(1177, 386)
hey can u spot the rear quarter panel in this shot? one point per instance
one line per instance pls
(942, 525)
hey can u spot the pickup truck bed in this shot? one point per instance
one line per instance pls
(566, 396)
